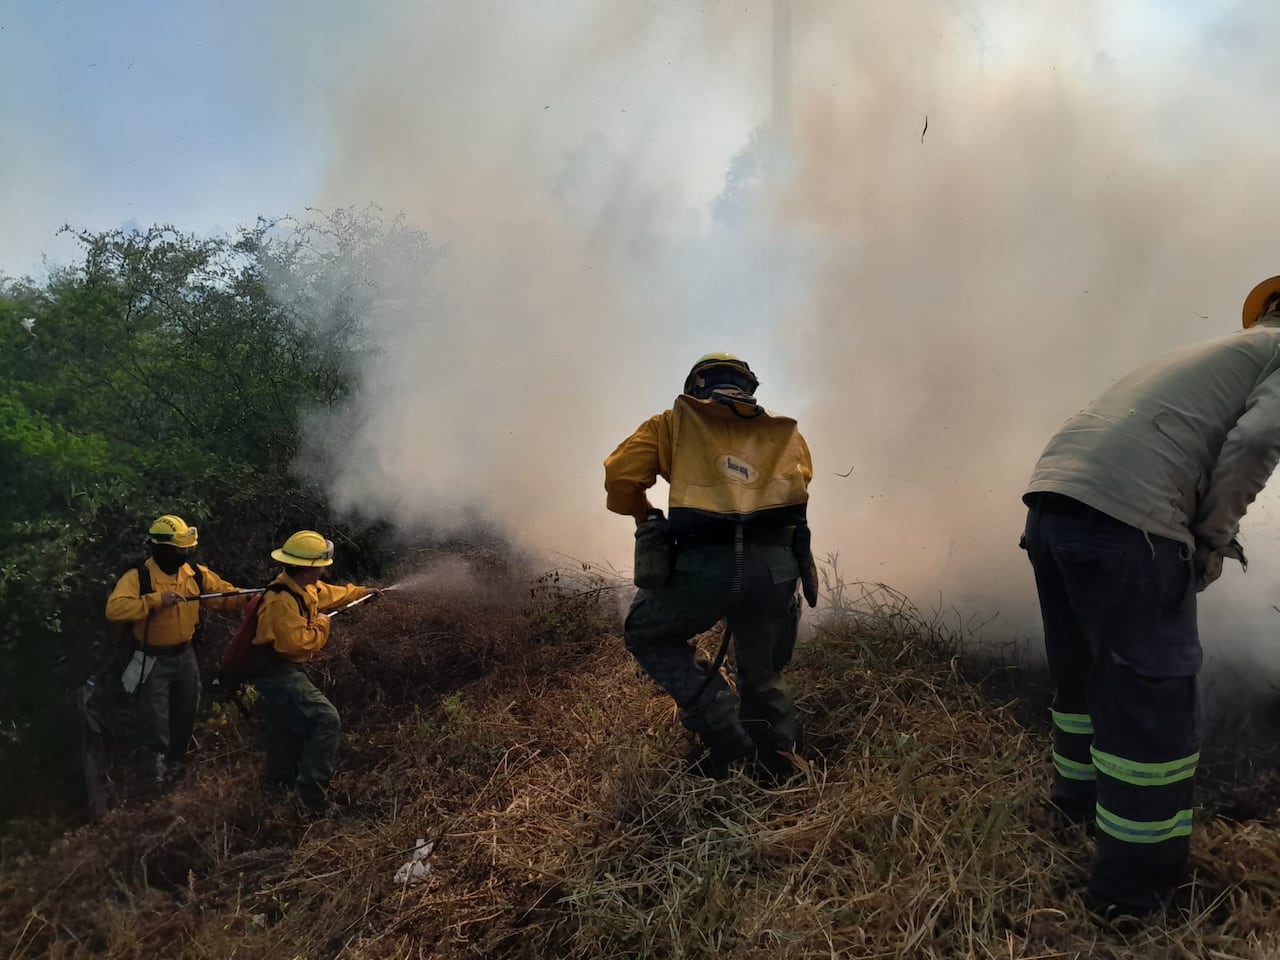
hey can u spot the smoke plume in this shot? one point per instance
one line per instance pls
(974, 219)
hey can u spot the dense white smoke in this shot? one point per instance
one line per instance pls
(930, 302)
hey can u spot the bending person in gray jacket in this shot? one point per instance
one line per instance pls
(1133, 506)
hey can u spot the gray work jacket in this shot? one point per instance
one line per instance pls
(1181, 446)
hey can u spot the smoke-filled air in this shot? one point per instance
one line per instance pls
(935, 229)
(319, 637)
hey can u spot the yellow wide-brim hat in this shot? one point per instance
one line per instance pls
(1257, 298)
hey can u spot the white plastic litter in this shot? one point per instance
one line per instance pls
(137, 671)
(416, 869)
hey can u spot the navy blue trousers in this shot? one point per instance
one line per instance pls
(1119, 612)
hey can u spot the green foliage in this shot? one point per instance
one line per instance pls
(167, 372)
(454, 708)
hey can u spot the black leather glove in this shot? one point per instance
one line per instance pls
(653, 552)
(803, 547)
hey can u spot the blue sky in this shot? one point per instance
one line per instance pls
(145, 112)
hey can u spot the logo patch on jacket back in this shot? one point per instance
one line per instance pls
(735, 468)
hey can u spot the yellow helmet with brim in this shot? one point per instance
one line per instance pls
(703, 371)
(306, 548)
(173, 531)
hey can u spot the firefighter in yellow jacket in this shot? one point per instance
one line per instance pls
(158, 599)
(733, 546)
(304, 731)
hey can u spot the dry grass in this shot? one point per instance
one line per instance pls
(528, 746)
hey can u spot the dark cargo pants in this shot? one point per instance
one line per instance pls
(1119, 611)
(760, 718)
(169, 699)
(304, 733)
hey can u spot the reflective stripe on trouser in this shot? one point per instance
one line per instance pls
(1074, 776)
(1146, 752)
(169, 700)
(764, 618)
(304, 733)
(1119, 616)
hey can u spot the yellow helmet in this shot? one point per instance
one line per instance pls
(697, 381)
(173, 530)
(1257, 300)
(306, 548)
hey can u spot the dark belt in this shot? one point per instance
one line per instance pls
(170, 650)
(781, 536)
(1062, 506)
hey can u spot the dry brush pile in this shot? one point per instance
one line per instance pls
(514, 732)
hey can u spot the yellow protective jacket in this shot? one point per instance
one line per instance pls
(172, 626)
(720, 465)
(296, 638)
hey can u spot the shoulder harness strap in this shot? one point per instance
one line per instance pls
(281, 588)
(144, 587)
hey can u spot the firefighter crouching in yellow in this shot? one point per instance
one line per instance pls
(157, 599)
(733, 547)
(304, 731)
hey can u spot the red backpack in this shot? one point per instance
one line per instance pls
(233, 670)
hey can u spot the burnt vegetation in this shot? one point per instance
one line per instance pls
(508, 726)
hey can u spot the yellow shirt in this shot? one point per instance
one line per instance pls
(297, 638)
(704, 465)
(169, 626)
